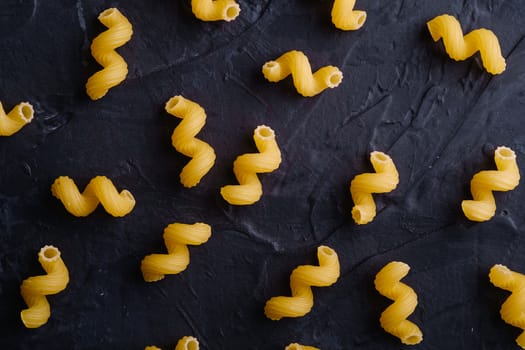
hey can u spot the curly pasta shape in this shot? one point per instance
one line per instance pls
(215, 10)
(362, 186)
(34, 289)
(185, 343)
(393, 319)
(183, 139)
(177, 237)
(12, 122)
(512, 309)
(246, 167)
(345, 18)
(99, 190)
(296, 63)
(296, 346)
(506, 178)
(301, 280)
(460, 47)
(103, 50)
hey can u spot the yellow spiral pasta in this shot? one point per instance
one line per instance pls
(34, 289)
(344, 17)
(215, 10)
(506, 178)
(393, 319)
(460, 47)
(99, 190)
(103, 50)
(15, 120)
(301, 280)
(185, 343)
(362, 186)
(295, 346)
(246, 167)
(177, 237)
(183, 139)
(512, 310)
(306, 83)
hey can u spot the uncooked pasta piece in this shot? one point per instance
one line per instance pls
(185, 343)
(345, 17)
(12, 122)
(295, 346)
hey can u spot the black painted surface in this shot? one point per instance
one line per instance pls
(440, 121)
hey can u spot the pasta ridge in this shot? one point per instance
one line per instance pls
(460, 47)
(344, 16)
(215, 10)
(35, 289)
(103, 50)
(184, 139)
(247, 166)
(16, 119)
(362, 186)
(302, 279)
(296, 63)
(394, 318)
(483, 205)
(99, 190)
(512, 309)
(177, 237)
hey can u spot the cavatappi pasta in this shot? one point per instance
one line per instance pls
(12, 122)
(185, 343)
(215, 10)
(345, 17)
(34, 289)
(296, 346)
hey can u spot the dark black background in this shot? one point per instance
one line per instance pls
(440, 121)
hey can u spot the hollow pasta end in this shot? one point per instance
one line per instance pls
(25, 110)
(505, 153)
(335, 79)
(231, 12)
(264, 132)
(49, 253)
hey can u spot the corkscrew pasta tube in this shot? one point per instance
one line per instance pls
(35, 289)
(177, 237)
(215, 10)
(103, 50)
(394, 318)
(506, 178)
(301, 280)
(247, 166)
(183, 139)
(345, 18)
(362, 186)
(306, 83)
(460, 47)
(185, 343)
(20, 116)
(99, 190)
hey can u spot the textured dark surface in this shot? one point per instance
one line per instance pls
(440, 121)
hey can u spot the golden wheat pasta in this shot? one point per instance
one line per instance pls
(247, 166)
(99, 190)
(297, 64)
(512, 310)
(152, 347)
(34, 289)
(185, 343)
(394, 318)
(183, 139)
(215, 10)
(103, 50)
(345, 17)
(506, 178)
(460, 47)
(385, 179)
(301, 280)
(12, 122)
(296, 346)
(177, 237)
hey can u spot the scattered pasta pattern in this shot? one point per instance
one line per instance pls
(506, 178)
(99, 190)
(103, 50)
(34, 289)
(246, 167)
(301, 280)
(393, 319)
(177, 237)
(512, 309)
(362, 186)
(183, 139)
(185, 343)
(297, 64)
(295, 346)
(344, 17)
(15, 120)
(460, 47)
(215, 10)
